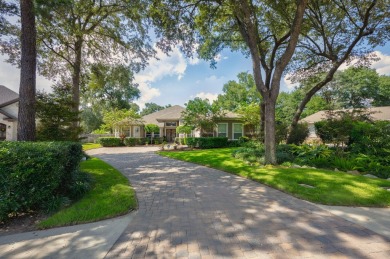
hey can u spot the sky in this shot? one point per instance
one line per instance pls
(175, 79)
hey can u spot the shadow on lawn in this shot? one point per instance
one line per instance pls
(192, 211)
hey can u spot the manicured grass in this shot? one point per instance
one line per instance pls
(88, 146)
(110, 196)
(331, 188)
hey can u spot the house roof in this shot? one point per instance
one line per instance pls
(174, 113)
(376, 113)
(170, 113)
(7, 96)
(231, 115)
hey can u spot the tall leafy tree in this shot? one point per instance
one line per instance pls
(111, 87)
(27, 88)
(267, 31)
(359, 88)
(201, 114)
(54, 111)
(75, 34)
(239, 93)
(336, 32)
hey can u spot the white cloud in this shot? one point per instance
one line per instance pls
(173, 64)
(382, 66)
(147, 93)
(164, 65)
(210, 96)
(290, 85)
(194, 60)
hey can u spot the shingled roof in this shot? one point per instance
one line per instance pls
(7, 96)
(376, 113)
(171, 113)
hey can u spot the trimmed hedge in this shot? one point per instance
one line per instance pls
(131, 142)
(204, 143)
(110, 142)
(39, 176)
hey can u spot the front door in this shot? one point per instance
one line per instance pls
(171, 135)
(3, 131)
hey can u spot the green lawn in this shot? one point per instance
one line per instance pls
(110, 196)
(331, 188)
(88, 146)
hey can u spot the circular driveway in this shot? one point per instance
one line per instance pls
(191, 211)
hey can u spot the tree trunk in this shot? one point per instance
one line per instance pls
(76, 79)
(262, 121)
(269, 136)
(26, 115)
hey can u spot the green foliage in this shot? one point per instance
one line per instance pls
(254, 151)
(56, 118)
(38, 176)
(370, 138)
(241, 93)
(202, 115)
(184, 129)
(100, 132)
(250, 115)
(119, 118)
(298, 134)
(109, 196)
(152, 128)
(340, 188)
(337, 127)
(110, 142)
(131, 142)
(308, 152)
(110, 87)
(211, 142)
(152, 107)
(356, 87)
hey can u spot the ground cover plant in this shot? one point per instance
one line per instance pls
(88, 146)
(330, 187)
(110, 196)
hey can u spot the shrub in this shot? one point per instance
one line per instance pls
(110, 142)
(36, 176)
(370, 138)
(299, 134)
(204, 143)
(131, 142)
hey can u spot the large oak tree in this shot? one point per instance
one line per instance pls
(73, 34)
(267, 31)
(337, 32)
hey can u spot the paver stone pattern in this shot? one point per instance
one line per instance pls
(191, 211)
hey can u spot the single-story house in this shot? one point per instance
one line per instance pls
(230, 126)
(375, 113)
(8, 114)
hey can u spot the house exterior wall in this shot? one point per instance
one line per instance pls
(230, 127)
(11, 125)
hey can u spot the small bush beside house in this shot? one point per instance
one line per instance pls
(110, 142)
(211, 142)
(39, 176)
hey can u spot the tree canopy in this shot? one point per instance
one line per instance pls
(201, 114)
(239, 93)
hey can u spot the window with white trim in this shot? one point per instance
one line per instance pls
(222, 130)
(237, 130)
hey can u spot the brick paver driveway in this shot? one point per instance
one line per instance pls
(191, 211)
